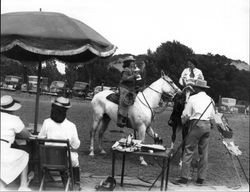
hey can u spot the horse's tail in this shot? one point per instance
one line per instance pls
(96, 105)
(94, 99)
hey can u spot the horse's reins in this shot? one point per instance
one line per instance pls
(147, 105)
(4, 140)
(152, 112)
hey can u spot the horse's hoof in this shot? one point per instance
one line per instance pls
(158, 140)
(103, 151)
(144, 163)
(92, 154)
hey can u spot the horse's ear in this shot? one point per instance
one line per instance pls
(162, 73)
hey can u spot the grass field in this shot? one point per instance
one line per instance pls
(220, 172)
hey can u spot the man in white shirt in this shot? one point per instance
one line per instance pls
(199, 111)
(59, 127)
(191, 72)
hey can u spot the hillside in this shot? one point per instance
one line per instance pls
(240, 65)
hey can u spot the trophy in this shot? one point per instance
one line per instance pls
(138, 76)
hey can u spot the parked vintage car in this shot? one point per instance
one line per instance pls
(1, 82)
(31, 86)
(57, 87)
(80, 89)
(11, 83)
(60, 88)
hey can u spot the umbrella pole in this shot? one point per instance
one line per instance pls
(37, 96)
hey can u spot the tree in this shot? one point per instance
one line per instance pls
(71, 73)
(11, 67)
(50, 70)
(171, 57)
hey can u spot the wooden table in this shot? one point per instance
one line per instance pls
(165, 156)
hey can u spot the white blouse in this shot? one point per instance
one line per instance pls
(10, 125)
(185, 75)
(65, 130)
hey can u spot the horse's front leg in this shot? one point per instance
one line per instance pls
(141, 136)
(151, 132)
(173, 137)
(154, 135)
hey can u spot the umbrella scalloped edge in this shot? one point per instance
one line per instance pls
(59, 52)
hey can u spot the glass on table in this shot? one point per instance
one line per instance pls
(31, 126)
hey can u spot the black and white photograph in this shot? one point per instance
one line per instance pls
(125, 95)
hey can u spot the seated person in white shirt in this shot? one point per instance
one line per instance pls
(59, 127)
(14, 162)
(191, 72)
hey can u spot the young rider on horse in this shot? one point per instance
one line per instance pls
(127, 89)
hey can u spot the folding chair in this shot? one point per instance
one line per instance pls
(55, 158)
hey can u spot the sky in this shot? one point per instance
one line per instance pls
(134, 26)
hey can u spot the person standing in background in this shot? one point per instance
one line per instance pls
(191, 72)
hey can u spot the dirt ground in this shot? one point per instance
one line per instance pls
(220, 172)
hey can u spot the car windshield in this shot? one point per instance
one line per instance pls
(58, 83)
(33, 79)
(100, 88)
(80, 84)
(12, 79)
(44, 80)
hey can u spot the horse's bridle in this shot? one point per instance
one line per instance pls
(172, 85)
(172, 96)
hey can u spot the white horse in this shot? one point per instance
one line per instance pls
(140, 114)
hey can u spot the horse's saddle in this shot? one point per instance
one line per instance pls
(114, 97)
(127, 100)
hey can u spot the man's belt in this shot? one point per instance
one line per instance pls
(199, 120)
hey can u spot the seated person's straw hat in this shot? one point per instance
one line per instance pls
(9, 104)
(62, 102)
